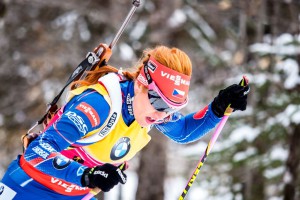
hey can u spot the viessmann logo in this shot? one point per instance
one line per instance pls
(178, 80)
(90, 112)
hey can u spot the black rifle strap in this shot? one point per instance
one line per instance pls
(90, 60)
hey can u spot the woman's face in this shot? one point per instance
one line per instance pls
(143, 111)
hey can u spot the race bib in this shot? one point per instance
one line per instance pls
(6, 193)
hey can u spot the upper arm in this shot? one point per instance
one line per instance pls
(80, 116)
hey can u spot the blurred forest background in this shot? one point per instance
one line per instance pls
(256, 157)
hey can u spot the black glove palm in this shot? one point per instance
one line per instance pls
(104, 177)
(235, 95)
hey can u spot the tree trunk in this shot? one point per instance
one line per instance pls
(152, 169)
(292, 166)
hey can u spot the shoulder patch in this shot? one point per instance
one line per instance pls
(90, 112)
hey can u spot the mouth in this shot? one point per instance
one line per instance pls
(150, 120)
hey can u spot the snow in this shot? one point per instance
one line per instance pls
(291, 69)
(244, 155)
(138, 30)
(278, 153)
(201, 23)
(127, 52)
(290, 115)
(1, 120)
(177, 19)
(128, 190)
(281, 46)
(287, 177)
(272, 173)
(245, 132)
(69, 21)
(195, 149)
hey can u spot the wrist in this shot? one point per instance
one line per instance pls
(85, 179)
(216, 108)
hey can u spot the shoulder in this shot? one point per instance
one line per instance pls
(90, 105)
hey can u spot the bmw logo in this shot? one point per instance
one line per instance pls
(120, 149)
(61, 162)
(1, 189)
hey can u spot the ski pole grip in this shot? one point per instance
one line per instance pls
(244, 82)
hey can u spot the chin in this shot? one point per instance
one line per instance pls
(142, 123)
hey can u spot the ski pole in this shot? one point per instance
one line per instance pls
(210, 145)
(95, 191)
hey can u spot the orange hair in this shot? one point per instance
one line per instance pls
(173, 58)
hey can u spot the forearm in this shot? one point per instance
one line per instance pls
(43, 154)
(190, 127)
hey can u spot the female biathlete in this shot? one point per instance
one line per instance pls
(106, 121)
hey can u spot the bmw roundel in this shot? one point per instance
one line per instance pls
(61, 162)
(120, 149)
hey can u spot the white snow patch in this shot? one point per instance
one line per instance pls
(126, 52)
(244, 155)
(290, 115)
(177, 18)
(281, 45)
(287, 177)
(138, 30)
(128, 190)
(1, 120)
(291, 69)
(278, 153)
(244, 133)
(272, 173)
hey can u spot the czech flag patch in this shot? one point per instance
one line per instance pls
(178, 93)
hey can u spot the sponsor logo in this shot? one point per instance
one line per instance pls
(40, 152)
(77, 71)
(90, 112)
(151, 66)
(61, 162)
(47, 147)
(246, 92)
(178, 80)
(142, 79)
(121, 175)
(178, 93)
(67, 186)
(78, 121)
(108, 126)
(1, 189)
(129, 100)
(102, 173)
(120, 149)
(80, 171)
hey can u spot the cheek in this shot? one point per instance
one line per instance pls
(141, 104)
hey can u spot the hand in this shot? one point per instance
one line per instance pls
(104, 177)
(235, 95)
